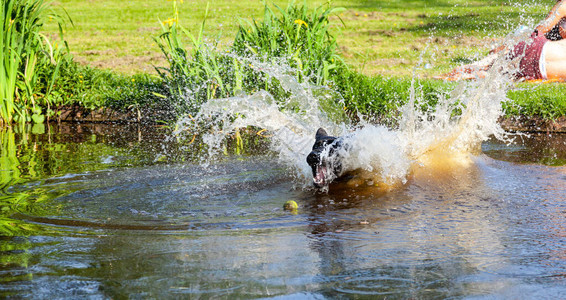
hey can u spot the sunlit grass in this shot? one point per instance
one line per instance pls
(198, 71)
(385, 38)
(380, 37)
(545, 101)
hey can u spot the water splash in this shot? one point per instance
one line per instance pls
(449, 134)
(291, 122)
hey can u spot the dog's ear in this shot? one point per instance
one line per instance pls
(320, 133)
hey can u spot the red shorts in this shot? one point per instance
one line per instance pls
(529, 52)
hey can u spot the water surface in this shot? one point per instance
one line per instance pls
(116, 212)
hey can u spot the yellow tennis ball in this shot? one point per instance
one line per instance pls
(290, 205)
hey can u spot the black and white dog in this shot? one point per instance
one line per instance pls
(326, 158)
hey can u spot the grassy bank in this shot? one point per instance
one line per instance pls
(376, 37)
(148, 55)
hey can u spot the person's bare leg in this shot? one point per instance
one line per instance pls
(474, 70)
(555, 59)
(485, 63)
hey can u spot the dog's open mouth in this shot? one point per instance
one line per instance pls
(320, 177)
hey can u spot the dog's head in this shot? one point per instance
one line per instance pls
(325, 159)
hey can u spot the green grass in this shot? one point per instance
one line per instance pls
(118, 35)
(383, 42)
(300, 35)
(546, 100)
(297, 35)
(379, 37)
(94, 88)
(378, 98)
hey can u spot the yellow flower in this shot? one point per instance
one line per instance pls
(301, 22)
(133, 80)
(169, 22)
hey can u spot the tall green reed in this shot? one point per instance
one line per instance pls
(197, 74)
(200, 71)
(26, 54)
(300, 35)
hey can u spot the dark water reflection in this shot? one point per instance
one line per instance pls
(98, 212)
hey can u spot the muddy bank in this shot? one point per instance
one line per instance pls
(108, 115)
(80, 114)
(533, 124)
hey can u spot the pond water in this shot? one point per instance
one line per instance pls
(99, 211)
